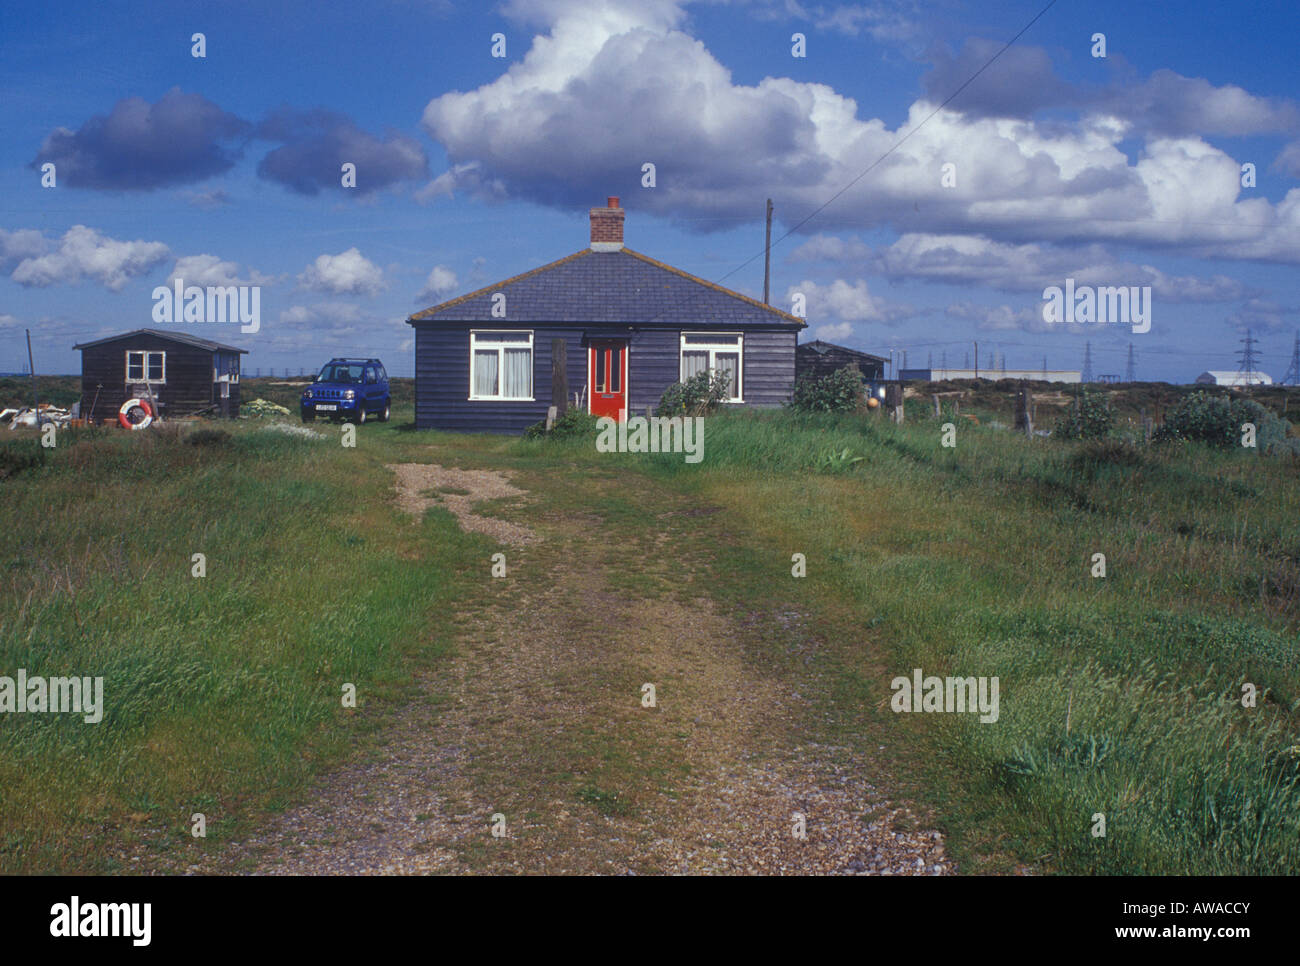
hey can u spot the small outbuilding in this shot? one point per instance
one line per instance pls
(181, 373)
(816, 359)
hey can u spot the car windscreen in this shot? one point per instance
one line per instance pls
(340, 372)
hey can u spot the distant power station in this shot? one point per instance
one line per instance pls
(1041, 375)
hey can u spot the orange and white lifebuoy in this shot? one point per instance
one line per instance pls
(124, 414)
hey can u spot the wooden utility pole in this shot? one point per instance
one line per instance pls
(36, 401)
(767, 255)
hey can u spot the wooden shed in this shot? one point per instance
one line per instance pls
(613, 327)
(183, 373)
(816, 359)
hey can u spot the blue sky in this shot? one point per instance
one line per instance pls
(1115, 171)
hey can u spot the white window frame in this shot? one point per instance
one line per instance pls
(501, 352)
(713, 348)
(144, 366)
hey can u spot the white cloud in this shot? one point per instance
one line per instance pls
(976, 260)
(835, 332)
(848, 302)
(657, 94)
(84, 253)
(347, 273)
(205, 270)
(440, 282)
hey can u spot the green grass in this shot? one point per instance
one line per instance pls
(222, 693)
(1118, 695)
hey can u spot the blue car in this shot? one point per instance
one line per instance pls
(354, 389)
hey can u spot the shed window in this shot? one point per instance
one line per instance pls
(717, 352)
(501, 365)
(146, 367)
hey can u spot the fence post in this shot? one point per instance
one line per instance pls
(559, 377)
(1024, 420)
(937, 411)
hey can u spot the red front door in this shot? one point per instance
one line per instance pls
(607, 377)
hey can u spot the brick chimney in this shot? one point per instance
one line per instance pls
(607, 227)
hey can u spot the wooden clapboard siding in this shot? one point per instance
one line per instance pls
(189, 372)
(442, 370)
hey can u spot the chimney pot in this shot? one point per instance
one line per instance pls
(611, 201)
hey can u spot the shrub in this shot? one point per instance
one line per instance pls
(1089, 418)
(840, 392)
(699, 395)
(1217, 420)
(574, 424)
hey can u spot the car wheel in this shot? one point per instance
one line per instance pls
(388, 408)
(307, 416)
(361, 413)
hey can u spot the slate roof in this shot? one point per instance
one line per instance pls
(174, 336)
(620, 287)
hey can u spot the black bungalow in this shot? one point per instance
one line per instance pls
(183, 374)
(816, 359)
(625, 326)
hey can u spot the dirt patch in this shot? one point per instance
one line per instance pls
(422, 485)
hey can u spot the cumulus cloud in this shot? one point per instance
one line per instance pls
(17, 246)
(84, 253)
(848, 302)
(975, 260)
(441, 281)
(205, 270)
(140, 146)
(314, 146)
(1259, 313)
(657, 94)
(347, 273)
(1002, 317)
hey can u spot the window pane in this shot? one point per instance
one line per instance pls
(519, 373)
(711, 339)
(485, 373)
(599, 370)
(155, 365)
(135, 365)
(615, 369)
(499, 338)
(694, 363)
(729, 362)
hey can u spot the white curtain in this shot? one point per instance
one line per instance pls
(694, 363)
(729, 363)
(518, 373)
(485, 372)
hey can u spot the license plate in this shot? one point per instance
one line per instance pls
(326, 409)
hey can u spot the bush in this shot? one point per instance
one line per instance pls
(1217, 420)
(1089, 418)
(840, 392)
(574, 424)
(699, 395)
